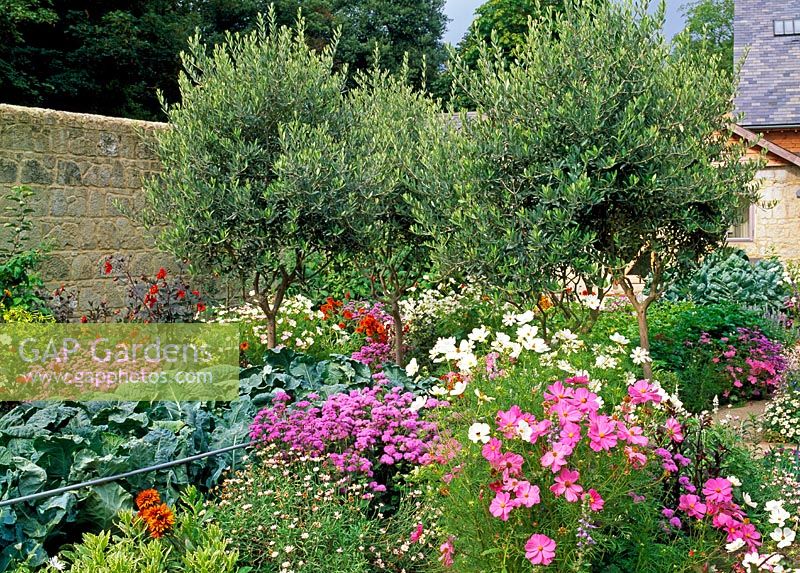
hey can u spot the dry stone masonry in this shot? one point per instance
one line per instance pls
(80, 167)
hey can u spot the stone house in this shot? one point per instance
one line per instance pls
(767, 36)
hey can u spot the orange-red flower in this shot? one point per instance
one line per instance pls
(244, 346)
(159, 520)
(147, 498)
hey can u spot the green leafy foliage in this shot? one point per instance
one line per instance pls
(194, 544)
(227, 209)
(112, 57)
(595, 151)
(728, 275)
(709, 27)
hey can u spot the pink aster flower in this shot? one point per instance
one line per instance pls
(540, 549)
(566, 485)
(602, 433)
(527, 495)
(501, 505)
(692, 505)
(674, 430)
(643, 392)
(556, 458)
(718, 490)
(596, 502)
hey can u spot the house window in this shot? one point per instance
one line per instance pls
(742, 230)
(786, 27)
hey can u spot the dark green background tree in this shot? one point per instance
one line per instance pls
(709, 23)
(110, 57)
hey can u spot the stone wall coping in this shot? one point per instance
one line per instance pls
(58, 116)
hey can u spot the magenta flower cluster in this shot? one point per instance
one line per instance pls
(359, 431)
(754, 364)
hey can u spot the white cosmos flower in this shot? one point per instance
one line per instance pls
(509, 319)
(619, 339)
(735, 545)
(640, 355)
(748, 501)
(779, 516)
(439, 391)
(479, 432)
(525, 317)
(605, 362)
(752, 558)
(467, 362)
(418, 403)
(480, 334)
(565, 366)
(458, 388)
(734, 481)
(412, 368)
(539, 346)
(784, 537)
(524, 430)
(592, 301)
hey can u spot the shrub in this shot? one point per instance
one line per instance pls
(288, 508)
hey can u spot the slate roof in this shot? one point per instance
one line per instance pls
(769, 87)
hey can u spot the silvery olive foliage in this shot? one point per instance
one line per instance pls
(373, 157)
(595, 149)
(222, 205)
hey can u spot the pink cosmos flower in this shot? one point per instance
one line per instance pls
(492, 450)
(555, 393)
(566, 412)
(446, 551)
(509, 462)
(585, 401)
(602, 433)
(417, 533)
(556, 458)
(540, 549)
(527, 495)
(501, 505)
(633, 435)
(540, 429)
(692, 505)
(636, 459)
(718, 490)
(566, 485)
(643, 392)
(570, 433)
(596, 502)
(750, 535)
(507, 421)
(674, 430)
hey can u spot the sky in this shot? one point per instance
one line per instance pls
(461, 12)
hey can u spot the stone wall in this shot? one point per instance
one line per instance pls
(777, 229)
(80, 168)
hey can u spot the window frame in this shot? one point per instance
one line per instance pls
(792, 22)
(751, 228)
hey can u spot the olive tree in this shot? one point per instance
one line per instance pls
(372, 159)
(597, 151)
(219, 198)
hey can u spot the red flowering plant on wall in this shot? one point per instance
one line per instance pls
(161, 298)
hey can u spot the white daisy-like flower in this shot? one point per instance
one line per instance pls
(57, 564)
(479, 432)
(418, 403)
(483, 397)
(458, 388)
(640, 356)
(509, 319)
(412, 368)
(439, 391)
(748, 501)
(779, 516)
(735, 482)
(525, 317)
(735, 545)
(524, 430)
(619, 339)
(480, 334)
(783, 536)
